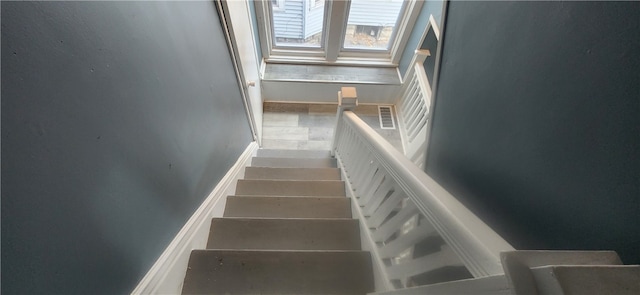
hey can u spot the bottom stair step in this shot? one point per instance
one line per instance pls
(278, 272)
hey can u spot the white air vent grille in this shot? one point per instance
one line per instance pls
(386, 117)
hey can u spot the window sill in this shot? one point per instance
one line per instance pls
(342, 61)
(319, 73)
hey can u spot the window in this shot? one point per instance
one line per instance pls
(351, 31)
(292, 27)
(371, 24)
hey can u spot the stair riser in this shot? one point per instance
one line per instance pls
(284, 234)
(293, 163)
(293, 153)
(276, 272)
(292, 173)
(289, 188)
(288, 207)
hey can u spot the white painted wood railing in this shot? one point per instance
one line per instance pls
(413, 107)
(402, 206)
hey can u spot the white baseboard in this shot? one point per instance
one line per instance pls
(167, 273)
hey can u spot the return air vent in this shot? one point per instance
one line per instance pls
(386, 117)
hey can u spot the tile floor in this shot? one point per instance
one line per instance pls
(310, 126)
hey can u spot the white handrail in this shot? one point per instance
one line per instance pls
(360, 150)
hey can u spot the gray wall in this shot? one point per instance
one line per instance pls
(118, 118)
(536, 123)
(430, 43)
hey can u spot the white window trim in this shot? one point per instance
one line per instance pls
(267, 44)
(333, 53)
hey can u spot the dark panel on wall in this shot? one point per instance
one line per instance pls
(118, 118)
(537, 121)
(431, 43)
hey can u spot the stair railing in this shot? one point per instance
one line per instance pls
(413, 107)
(401, 207)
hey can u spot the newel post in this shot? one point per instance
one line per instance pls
(421, 55)
(347, 101)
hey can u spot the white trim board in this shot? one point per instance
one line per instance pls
(167, 273)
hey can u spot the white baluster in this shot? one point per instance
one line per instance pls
(407, 240)
(371, 169)
(385, 209)
(362, 165)
(378, 196)
(394, 224)
(445, 257)
(369, 186)
(415, 106)
(411, 92)
(420, 118)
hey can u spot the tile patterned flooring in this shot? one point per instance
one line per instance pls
(310, 126)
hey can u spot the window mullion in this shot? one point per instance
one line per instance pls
(336, 23)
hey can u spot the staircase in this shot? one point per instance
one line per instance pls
(288, 230)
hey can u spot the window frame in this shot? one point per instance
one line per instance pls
(331, 50)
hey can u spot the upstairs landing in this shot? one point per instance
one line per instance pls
(295, 126)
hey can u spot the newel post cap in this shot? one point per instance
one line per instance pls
(347, 97)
